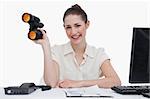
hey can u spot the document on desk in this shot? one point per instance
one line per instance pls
(92, 91)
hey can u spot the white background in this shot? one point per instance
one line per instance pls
(21, 60)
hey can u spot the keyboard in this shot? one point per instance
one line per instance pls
(131, 89)
(146, 95)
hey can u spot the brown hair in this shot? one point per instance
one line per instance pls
(76, 10)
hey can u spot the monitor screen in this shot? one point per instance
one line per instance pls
(140, 56)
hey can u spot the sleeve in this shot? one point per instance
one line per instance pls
(102, 56)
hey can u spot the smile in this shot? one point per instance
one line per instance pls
(76, 36)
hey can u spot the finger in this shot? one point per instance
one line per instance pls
(61, 85)
(37, 41)
(43, 31)
(60, 81)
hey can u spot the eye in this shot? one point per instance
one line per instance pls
(77, 25)
(68, 27)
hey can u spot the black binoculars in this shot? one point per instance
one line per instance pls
(34, 22)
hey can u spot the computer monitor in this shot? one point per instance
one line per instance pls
(140, 56)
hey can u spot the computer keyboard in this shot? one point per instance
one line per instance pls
(146, 95)
(131, 89)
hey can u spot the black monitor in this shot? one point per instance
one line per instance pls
(140, 56)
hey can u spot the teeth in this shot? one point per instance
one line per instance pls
(75, 36)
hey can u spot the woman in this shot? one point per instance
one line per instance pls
(76, 64)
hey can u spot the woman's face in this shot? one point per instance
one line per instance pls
(75, 28)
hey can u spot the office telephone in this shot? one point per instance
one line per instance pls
(25, 88)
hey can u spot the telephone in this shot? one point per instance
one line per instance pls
(25, 88)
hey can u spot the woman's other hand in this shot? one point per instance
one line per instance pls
(69, 84)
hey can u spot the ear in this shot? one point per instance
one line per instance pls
(87, 24)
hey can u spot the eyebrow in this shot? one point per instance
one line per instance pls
(67, 25)
(74, 24)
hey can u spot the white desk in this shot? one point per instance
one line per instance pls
(58, 93)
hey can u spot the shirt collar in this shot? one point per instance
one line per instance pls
(68, 48)
(88, 51)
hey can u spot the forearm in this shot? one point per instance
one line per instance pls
(108, 82)
(50, 69)
(103, 83)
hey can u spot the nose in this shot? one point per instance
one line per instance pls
(73, 31)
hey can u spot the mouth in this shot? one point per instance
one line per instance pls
(75, 37)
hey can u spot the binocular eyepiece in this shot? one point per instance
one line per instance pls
(34, 22)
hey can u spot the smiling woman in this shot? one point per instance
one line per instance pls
(110, 26)
(76, 63)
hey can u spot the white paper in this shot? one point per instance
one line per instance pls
(86, 91)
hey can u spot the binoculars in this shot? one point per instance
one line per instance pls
(34, 22)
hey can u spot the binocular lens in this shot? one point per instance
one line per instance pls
(32, 35)
(26, 17)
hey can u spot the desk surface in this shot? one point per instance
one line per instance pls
(58, 93)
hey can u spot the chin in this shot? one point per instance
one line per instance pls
(75, 42)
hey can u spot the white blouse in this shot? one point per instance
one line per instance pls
(89, 69)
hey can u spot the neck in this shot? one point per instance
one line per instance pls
(79, 48)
